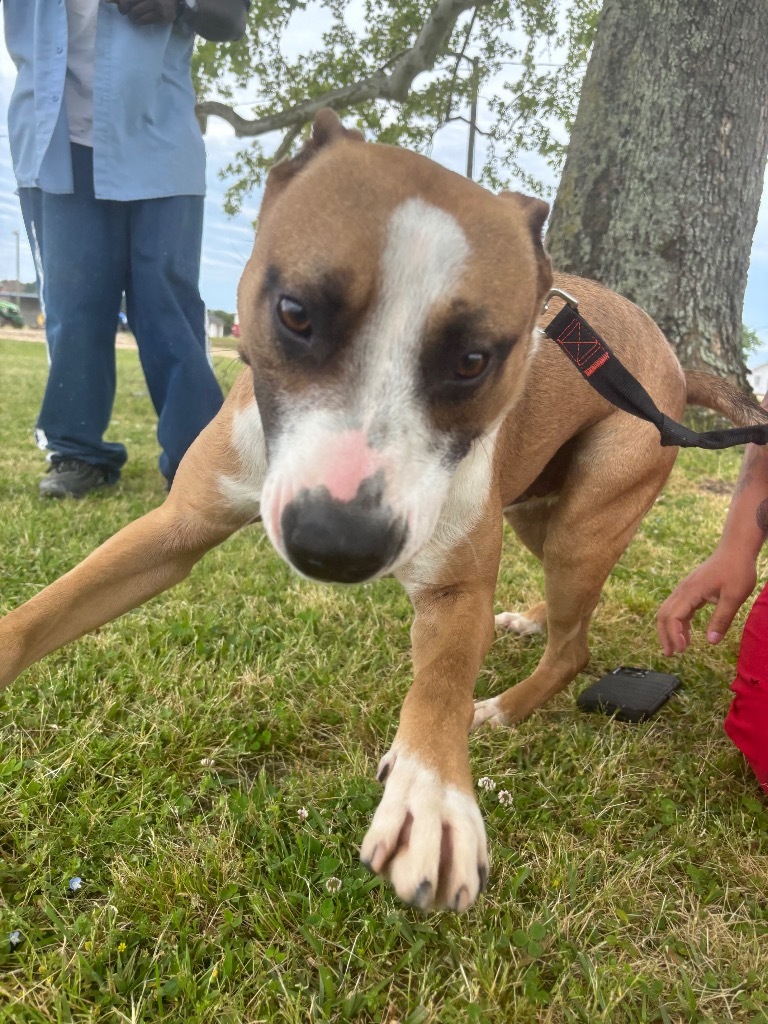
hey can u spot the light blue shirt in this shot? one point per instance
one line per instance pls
(146, 139)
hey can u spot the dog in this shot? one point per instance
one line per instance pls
(399, 401)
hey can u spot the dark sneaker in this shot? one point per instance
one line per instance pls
(71, 478)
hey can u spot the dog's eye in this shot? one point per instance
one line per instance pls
(294, 317)
(472, 365)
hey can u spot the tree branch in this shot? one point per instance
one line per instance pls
(285, 146)
(393, 86)
(465, 120)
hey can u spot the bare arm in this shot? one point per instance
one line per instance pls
(728, 576)
(218, 20)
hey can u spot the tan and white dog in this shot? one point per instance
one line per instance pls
(400, 400)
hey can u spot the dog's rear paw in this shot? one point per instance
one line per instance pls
(427, 838)
(488, 712)
(514, 622)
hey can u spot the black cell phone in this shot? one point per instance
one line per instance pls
(630, 694)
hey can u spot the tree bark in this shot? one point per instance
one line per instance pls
(662, 182)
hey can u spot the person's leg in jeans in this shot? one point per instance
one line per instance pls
(167, 316)
(747, 721)
(84, 249)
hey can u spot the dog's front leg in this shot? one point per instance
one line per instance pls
(148, 556)
(427, 836)
(215, 493)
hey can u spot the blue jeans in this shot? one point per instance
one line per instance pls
(88, 252)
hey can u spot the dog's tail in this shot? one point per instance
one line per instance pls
(717, 394)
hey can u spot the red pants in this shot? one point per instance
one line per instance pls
(747, 721)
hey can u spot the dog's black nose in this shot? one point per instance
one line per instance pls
(341, 541)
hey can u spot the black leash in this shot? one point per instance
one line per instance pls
(602, 369)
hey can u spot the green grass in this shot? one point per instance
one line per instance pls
(165, 759)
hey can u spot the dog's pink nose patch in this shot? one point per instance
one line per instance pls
(352, 461)
(340, 463)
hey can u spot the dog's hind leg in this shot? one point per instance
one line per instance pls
(611, 483)
(530, 521)
(526, 623)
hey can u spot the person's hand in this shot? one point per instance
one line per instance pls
(147, 12)
(724, 581)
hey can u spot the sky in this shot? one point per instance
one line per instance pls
(227, 241)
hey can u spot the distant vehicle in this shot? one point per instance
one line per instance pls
(11, 314)
(122, 322)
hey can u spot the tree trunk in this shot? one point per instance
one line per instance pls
(662, 182)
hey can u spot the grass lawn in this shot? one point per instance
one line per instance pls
(165, 759)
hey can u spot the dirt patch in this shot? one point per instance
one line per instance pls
(123, 340)
(716, 487)
(8, 333)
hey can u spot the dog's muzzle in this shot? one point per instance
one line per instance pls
(341, 541)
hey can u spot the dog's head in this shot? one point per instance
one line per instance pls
(386, 312)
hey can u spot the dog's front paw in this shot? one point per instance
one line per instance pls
(426, 837)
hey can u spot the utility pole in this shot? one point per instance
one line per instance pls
(473, 118)
(18, 271)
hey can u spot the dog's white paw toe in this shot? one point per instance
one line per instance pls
(514, 622)
(386, 764)
(488, 712)
(427, 838)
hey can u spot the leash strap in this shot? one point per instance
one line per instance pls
(602, 370)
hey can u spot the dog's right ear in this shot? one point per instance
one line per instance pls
(327, 130)
(535, 211)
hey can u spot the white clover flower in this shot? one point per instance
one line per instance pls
(302, 813)
(207, 762)
(333, 884)
(487, 784)
(505, 797)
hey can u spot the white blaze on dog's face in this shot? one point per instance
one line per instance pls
(376, 360)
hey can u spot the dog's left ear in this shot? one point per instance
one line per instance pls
(327, 130)
(535, 211)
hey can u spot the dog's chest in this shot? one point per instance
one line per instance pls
(464, 507)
